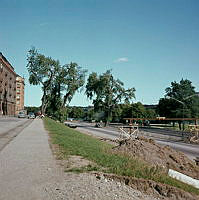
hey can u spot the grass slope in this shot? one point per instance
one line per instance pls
(73, 142)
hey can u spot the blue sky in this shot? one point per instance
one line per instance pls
(147, 44)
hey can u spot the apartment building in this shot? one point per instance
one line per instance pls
(19, 93)
(7, 87)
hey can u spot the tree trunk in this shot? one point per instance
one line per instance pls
(180, 125)
(44, 103)
(42, 108)
(65, 98)
(108, 116)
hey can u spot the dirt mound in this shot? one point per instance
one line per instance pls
(159, 190)
(157, 155)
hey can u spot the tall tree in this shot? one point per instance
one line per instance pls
(59, 83)
(42, 70)
(107, 93)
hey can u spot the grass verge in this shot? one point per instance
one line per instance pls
(73, 142)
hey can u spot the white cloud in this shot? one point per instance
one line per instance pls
(43, 24)
(124, 59)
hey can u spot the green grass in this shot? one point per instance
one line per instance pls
(83, 169)
(72, 142)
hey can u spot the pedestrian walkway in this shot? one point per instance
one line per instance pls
(27, 164)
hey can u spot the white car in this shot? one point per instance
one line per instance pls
(31, 116)
(21, 115)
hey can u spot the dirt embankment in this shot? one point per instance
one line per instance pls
(156, 155)
(157, 190)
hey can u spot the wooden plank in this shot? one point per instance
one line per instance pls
(163, 119)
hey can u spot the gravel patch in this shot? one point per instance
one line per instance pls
(90, 187)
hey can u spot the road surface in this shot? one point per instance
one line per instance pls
(10, 127)
(163, 138)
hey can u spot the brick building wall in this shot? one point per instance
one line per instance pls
(19, 94)
(7, 87)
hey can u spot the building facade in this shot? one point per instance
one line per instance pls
(19, 94)
(7, 87)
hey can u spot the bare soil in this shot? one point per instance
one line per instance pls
(157, 190)
(89, 185)
(156, 155)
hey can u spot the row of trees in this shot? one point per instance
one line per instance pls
(60, 83)
(134, 110)
(112, 102)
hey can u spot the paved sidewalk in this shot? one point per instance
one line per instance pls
(27, 165)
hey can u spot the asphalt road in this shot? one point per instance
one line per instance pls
(10, 127)
(8, 123)
(172, 139)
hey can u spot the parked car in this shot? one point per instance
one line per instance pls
(31, 116)
(21, 115)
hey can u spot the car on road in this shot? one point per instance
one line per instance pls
(21, 115)
(98, 125)
(31, 116)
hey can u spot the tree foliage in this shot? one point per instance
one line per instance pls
(32, 109)
(59, 83)
(69, 79)
(107, 93)
(180, 100)
(137, 110)
(76, 112)
(72, 79)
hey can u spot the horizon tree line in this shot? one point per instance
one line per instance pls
(111, 100)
